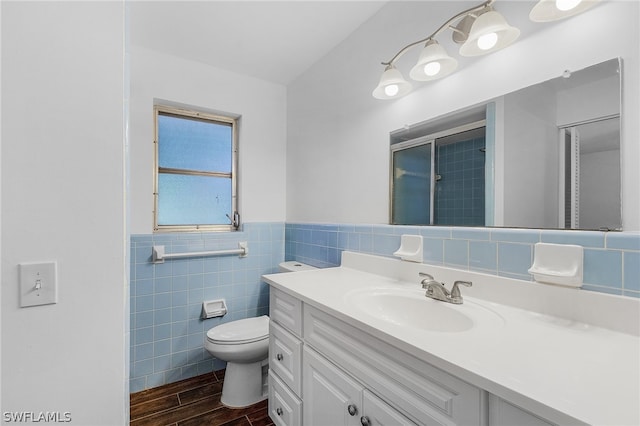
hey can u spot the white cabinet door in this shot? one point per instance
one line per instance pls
(378, 413)
(331, 398)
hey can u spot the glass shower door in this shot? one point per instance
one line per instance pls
(459, 196)
(411, 191)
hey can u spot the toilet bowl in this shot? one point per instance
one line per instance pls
(244, 345)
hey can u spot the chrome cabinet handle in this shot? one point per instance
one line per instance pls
(364, 421)
(279, 357)
(279, 411)
(352, 410)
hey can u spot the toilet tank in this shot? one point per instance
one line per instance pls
(292, 266)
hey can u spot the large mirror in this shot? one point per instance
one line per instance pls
(546, 156)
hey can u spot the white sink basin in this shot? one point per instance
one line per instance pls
(410, 308)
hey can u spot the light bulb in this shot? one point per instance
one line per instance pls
(432, 68)
(391, 90)
(487, 41)
(565, 5)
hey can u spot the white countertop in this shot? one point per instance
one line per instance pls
(563, 370)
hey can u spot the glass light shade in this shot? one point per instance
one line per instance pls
(433, 63)
(565, 5)
(482, 28)
(487, 41)
(550, 10)
(392, 85)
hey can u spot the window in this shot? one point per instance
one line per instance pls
(195, 171)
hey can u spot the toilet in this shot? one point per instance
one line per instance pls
(244, 345)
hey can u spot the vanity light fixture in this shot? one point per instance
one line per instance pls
(392, 84)
(489, 32)
(433, 63)
(480, 30)
(552, 10)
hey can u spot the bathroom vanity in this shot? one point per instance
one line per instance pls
(360, 344)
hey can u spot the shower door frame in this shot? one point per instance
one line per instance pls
(569, 136)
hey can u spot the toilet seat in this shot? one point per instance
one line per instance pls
(241, 331)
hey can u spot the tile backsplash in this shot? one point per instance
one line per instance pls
(611, 259)
(167, 334)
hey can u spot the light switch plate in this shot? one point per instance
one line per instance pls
(38, 284)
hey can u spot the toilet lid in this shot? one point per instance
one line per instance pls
(241, 331)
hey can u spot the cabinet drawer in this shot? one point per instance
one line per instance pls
(285, 409)
(423, 393)
(285, 356)
(286, 310)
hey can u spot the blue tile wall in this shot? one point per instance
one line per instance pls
(167, 334)
(611, 259)
(460, 190)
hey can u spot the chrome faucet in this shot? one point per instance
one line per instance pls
(436, 290)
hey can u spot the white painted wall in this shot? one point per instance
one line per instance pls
(62, 199)
(338, 134)
(530, 149)
(591, 101)
(530, 146)
(597, 177)
(0, 208)
(262, 135)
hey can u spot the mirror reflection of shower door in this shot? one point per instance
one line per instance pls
(570, 178)
(564, 179)
(459, 196)
(590, 175)
(411, 192)
(575, 178)
(439, 181)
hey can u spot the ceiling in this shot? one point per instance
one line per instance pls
(271, 40)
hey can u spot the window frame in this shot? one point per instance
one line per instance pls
(161, 109)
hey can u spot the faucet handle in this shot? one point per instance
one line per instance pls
(455, 291)
(428, 279)
(424, 274)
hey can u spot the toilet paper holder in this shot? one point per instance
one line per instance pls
(213, 308)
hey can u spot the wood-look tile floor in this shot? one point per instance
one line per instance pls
(193, 402)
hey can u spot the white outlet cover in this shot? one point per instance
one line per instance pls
(38, 283)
